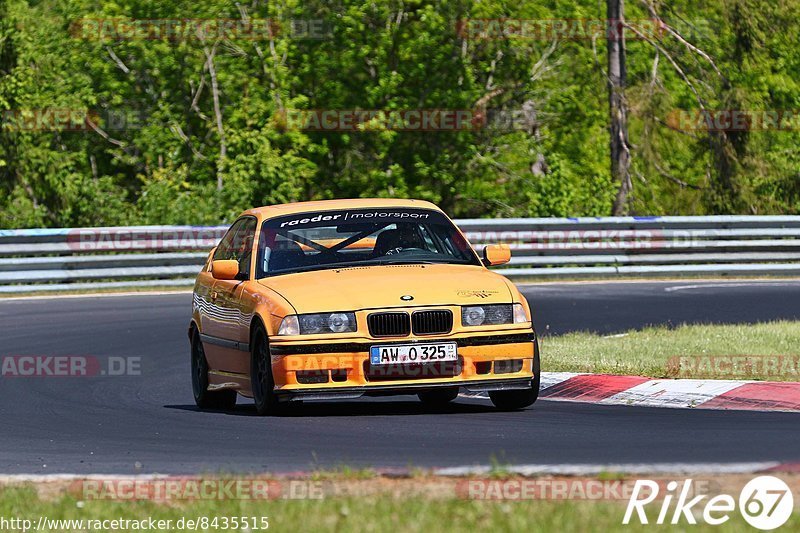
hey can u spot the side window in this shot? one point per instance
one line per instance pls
(237, 244)
(243, 243)
(226, 245)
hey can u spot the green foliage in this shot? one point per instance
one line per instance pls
(193, 130)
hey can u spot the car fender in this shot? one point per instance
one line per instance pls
(269, 307)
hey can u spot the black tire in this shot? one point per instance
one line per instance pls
(513, 400)
(261, 380)
(222, 400)
(438, 397)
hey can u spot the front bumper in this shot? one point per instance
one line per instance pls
(339, 393)
(496, 360)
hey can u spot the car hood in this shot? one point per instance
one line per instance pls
(369, 287)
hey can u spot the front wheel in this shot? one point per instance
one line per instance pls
(204, 398)
(513, 400)
(261, 375)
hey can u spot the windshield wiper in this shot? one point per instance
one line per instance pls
(321, 266)
(357, 264)
(398, 262)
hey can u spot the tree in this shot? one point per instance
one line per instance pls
(617, 106)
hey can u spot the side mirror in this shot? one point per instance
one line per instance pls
(227, 269)
(496, 254)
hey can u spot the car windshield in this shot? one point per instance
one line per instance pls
(359, 237)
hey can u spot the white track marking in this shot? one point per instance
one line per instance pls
(7, 479)
(524, 470)
(734, 285)
(624, 468)
(672, 393)
(553, 284)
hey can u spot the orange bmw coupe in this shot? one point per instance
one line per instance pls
(349, 298)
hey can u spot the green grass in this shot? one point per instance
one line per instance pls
(344, 472)
(652, 352)
(367, 514)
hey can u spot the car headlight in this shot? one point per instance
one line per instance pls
(309, 324)
(490, 315)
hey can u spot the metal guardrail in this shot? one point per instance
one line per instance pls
(167, 256)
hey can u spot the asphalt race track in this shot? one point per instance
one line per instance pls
(148, 423)
(613, 307)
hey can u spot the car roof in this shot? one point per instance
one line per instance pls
(332, 205)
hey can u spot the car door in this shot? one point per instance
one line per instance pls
(201, 301)
(213, 316)
(233, 327)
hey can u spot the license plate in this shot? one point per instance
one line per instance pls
(412, 353)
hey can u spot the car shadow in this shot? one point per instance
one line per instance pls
(350, 408)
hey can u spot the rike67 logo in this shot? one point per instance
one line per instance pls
(765, 503)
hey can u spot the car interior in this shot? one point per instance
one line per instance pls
(290, 249)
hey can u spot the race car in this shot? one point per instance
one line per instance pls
(348, 298)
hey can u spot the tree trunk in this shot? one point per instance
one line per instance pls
(223, 144)
(618, 107)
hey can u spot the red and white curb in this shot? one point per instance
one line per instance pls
(639, 391)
